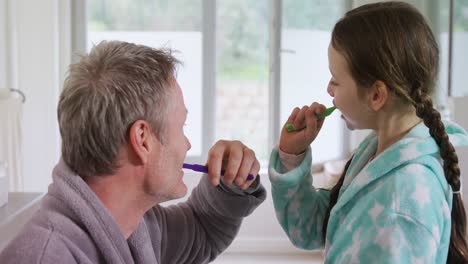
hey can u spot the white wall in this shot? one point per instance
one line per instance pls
(34, 29)
(3, 40)
(459, 108)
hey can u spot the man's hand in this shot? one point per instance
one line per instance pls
(237, 161)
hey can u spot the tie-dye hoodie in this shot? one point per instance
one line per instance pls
(393, 209)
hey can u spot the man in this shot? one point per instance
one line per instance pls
(121, 116)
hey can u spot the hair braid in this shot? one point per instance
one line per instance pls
(392, 42)
(431, 118)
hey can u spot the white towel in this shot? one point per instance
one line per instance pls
(10, 138)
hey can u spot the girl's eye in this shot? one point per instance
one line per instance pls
(333, 83)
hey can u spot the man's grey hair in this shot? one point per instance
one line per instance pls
(105, 92)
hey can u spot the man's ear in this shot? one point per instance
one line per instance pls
(141, 140)
(378, 96)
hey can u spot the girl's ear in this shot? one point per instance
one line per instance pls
(142, 140)
(378, 96)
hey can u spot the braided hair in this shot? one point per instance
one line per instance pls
(392, 42)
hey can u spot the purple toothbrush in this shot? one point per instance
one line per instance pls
(201, 168)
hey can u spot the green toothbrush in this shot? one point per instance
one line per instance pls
(327, 112)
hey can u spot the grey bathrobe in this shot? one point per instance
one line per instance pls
(73, 226)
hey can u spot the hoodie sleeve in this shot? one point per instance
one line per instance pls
(198, 230)
(300, 208)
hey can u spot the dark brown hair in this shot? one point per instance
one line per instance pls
(392, 42)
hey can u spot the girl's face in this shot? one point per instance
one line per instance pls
(343, 88)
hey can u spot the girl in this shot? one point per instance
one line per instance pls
(398, 199)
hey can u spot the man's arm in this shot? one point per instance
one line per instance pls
(200, 229)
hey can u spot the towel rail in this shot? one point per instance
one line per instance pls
(23, 96)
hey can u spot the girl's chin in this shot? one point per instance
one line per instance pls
(349, 125)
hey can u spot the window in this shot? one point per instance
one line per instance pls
(454, 65)
(225, 47)
(305, 35)
(449, 22)
(174, 24)
(242, 96)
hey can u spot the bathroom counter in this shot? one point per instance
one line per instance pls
(13, 215)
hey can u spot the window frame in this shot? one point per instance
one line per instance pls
(79, 43)
(350, 138)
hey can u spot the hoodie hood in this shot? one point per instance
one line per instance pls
(417, 146)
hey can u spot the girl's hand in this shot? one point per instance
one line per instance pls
(307, 126)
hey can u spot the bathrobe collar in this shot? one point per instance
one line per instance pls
(414, 147)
